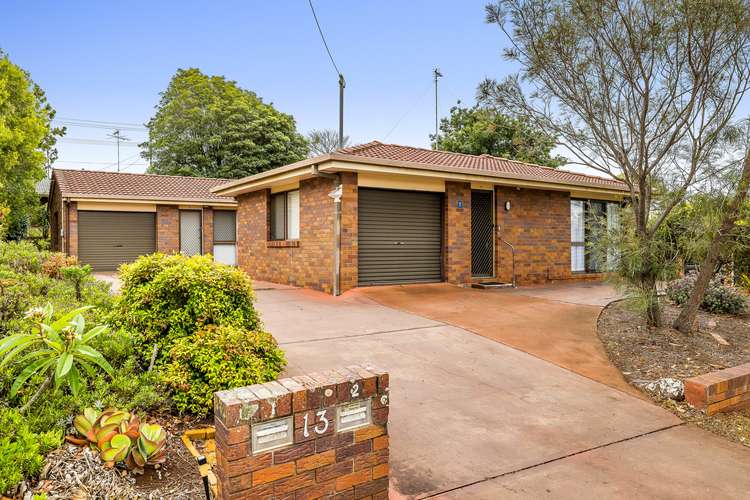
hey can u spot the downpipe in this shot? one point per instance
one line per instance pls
(336, 196)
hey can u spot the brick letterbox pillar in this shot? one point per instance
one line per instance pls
(318, 435)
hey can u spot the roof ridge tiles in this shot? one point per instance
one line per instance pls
(485, 155)
(144, 174)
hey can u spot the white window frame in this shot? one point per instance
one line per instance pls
(291, 216)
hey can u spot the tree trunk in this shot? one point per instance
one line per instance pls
(650, 294)
(686, 319)
(36, 395)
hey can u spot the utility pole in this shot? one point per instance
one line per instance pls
(437, 74)
(342, 84)
(119, 137)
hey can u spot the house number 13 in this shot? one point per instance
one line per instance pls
(320, 427)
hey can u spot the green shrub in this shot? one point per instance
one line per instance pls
(719, 298)
(77, 276)
(13, 302)
(57, 348)
(219, 358)
(38, 289)
(21, 450)
(22, 256)
(167, 297)
(56, 261)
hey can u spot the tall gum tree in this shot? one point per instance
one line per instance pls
(638, 90)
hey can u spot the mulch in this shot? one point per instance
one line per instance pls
(645, 354)
(73, 472)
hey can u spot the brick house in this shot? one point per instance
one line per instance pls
(408, 215)
(108, 218)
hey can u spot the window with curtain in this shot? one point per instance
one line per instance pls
(285, 215)
(577, 237)
(587, 219)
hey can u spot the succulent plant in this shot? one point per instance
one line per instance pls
(149, 448)
(119, 436)
(83, 423)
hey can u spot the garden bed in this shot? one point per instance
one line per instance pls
(122, 375)
(645, 354)
(75, 472)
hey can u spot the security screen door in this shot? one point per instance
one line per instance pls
(482, 234)
(190, 232)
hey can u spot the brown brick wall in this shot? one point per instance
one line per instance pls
(322, 460)
(457, 233)
(208, 230)
(349, 231)
(306, 263)
(167, 228)
(72, 231)
(538, 226)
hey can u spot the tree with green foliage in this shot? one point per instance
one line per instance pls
(27, 144)
(210, 127)
(482, 130)
(640, 91)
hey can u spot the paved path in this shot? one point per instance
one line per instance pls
(556, 323)
(475, 418)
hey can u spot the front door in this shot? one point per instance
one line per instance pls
(482, 234)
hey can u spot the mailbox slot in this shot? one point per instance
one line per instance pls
(353, 415)
(272, 434)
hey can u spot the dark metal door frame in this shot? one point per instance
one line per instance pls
(482, 233)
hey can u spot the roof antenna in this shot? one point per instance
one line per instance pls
(342, 82)
(118, 135)
(437, 74)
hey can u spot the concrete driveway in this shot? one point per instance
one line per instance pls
(472, 417)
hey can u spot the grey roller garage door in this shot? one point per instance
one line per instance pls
(108, 239)
(400, 236)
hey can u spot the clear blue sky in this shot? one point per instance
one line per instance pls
(108, 61)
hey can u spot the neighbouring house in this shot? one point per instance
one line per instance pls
(42, 190)
(411, 215)
(108, 218)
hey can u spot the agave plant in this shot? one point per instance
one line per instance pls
(58, 348)
(119, 436)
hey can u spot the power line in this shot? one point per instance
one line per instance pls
(322, 37)
(94, 142)
(342, 82)
(99, 126)
(414, 105)
(111, 124)
(100, 162)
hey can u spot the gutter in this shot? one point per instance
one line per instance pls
(336, 195)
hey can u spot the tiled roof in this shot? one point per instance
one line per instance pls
(484, 164)
(125, 186)
(42, 187)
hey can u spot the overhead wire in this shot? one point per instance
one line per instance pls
(322, 37)
(414, 105)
